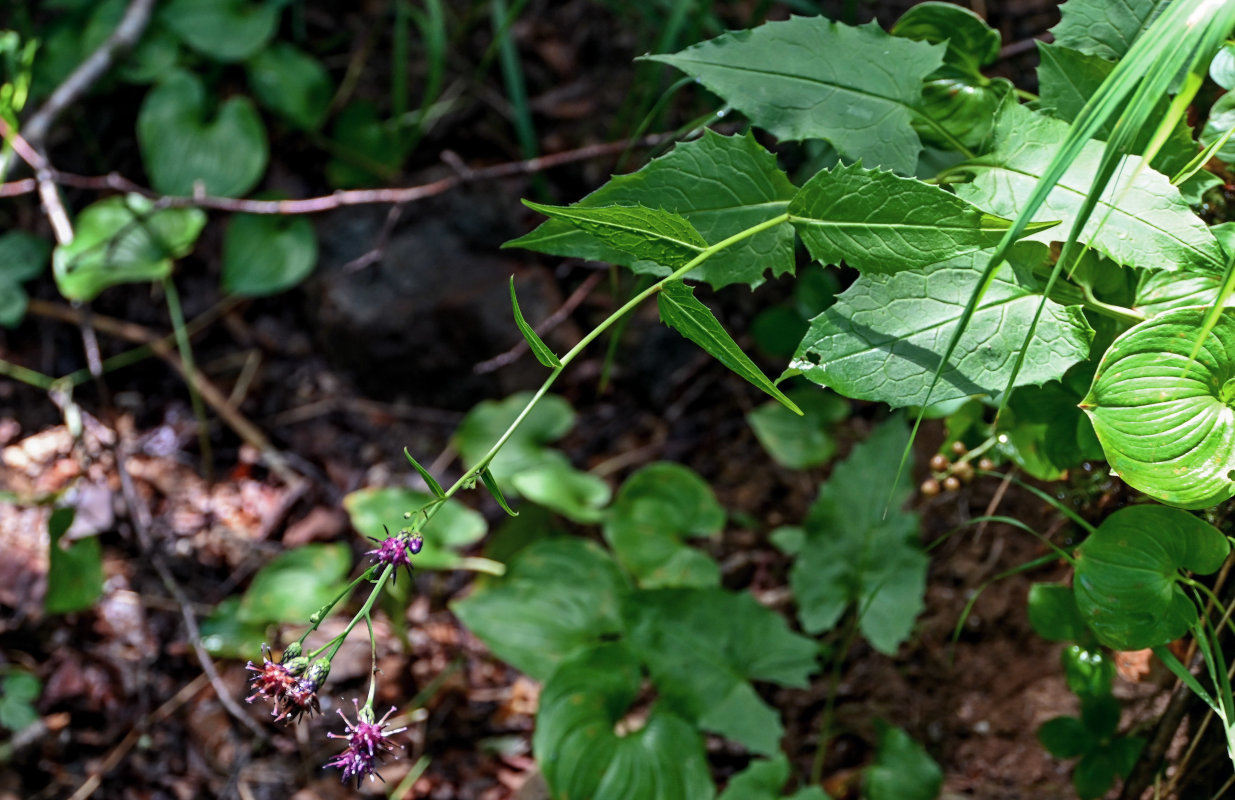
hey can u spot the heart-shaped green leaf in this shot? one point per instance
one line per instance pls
(1164, 419)
(225, 30)
(576, 495)
(588, 748)
(704, 646)
(291, 83)
(454, 526)
(181, 144)
(1127, 574)
(558, 597)
(123, 240)
(799, 441)
(266, 254)
(296, 584)
(656, 508)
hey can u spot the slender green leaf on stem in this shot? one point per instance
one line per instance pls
(647, 233)
(190, 372)
(797, 80)
(512, 76)
(539, 349)
(490, 482)
(720, 184)
(682, 311)
(433, 485)
(876, 221)
(1185, 676)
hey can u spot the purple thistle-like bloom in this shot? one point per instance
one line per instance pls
(397, 550)
(275, 678)
(301, 697)
(367, 744)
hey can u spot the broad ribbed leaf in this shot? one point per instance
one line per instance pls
(645, 233)
(878, 222)
(680, 310)
(704, 646)
(850, 555)
(1146, 224)
(810, 78)
(656, 509)
(224, 30)
(1127, 574)
(972, 44)
(558, 597)
(1164, 419)
(1103, 28)
(885, 335)
(586, 749)
(720, 184)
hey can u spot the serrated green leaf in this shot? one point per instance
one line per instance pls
(1165, 419)
(797, 80)
(526, 448)
(576, 495)
(558, 597)
(123, 240)
(883, 338)
(1144, 223)
(224, 30)
(703, 646)
(1127, 574)
(650, 234)
(875, 221)
(655, 510)
(680, 310)
(490, 482)
(539, 349)
(581, 753)
(428, 478)
(267, 254)
(291, 83)
(850, 556)
(902, 769)
(182, 143)
(296, 584)
(454, 526)
(720, 184)
(1102, 28)
(75, 572)
(971, 43)
(799, 442)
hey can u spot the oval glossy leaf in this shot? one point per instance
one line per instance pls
(799, 442)
(267, 254)
(291, 83)
(1222, 68)
(796, 79)
(182, 142)
(576, 495)
(655, 510)
(972, 44)
(745, 187)
(224, 30)
(650, 234)
(453, 527)
(957, 109)
(885, 335)
(1165, 420)
(583, 754)
(680, 310)
(1053, 613)
(1127, 572)
(558, 597)
(123, 240)
(296, 584)
(878, 222)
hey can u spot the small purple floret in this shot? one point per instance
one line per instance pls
(397, 551)
(367, 744)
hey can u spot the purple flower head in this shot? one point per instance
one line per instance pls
(301, 697)
(395, 550)
(367, 744)
(275, 678)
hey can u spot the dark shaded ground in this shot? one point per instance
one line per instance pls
(344, 372)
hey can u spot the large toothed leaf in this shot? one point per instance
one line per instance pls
(1145, 223)
(680, 310)
(884, 337)
(720, 184)
(878, 222)
(1103, 28)
(645, 233)
(1165, 419)
(810, 78)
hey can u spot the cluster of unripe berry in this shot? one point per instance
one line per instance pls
(948, 475)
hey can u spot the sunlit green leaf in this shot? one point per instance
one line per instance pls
(1103, 28)
(576, 495)
(972, 44)
(796, 79)
(1221, 119)
(647, 234)
(1222, 68)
